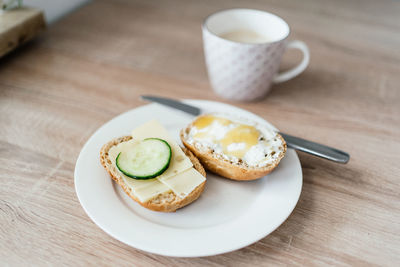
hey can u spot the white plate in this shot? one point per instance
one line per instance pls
(229, 215)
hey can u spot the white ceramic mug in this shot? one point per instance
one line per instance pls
(245, 71)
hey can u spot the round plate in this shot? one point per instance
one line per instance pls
(228, 215)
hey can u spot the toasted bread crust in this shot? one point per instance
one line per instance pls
(166, 202)
(229, 170)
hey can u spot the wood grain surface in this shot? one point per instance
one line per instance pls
(93, 64)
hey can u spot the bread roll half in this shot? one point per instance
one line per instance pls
(234, 168)
(165, 202)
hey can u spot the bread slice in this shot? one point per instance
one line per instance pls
(223, 167)
(165, 202)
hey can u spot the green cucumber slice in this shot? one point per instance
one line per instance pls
(147, 159)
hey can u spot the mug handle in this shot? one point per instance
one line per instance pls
(289, 74)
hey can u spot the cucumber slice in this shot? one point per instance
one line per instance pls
(146, 160)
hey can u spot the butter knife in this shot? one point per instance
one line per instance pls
(296, 143)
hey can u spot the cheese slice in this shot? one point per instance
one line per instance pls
(153, 189)
(180, 177)
(185, 182)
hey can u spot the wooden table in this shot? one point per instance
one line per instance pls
(92, 65)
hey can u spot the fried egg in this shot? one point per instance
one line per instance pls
(235, 139)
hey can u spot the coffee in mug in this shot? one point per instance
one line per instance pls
(245, 36)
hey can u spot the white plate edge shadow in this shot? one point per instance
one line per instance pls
(203, 252)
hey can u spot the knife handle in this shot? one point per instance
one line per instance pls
(316, 149)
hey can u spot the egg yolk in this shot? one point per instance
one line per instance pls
(207, 120)
(241, 134)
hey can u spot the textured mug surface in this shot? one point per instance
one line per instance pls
(244, 71)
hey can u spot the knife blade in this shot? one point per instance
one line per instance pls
(294, 142)
(173, 104)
